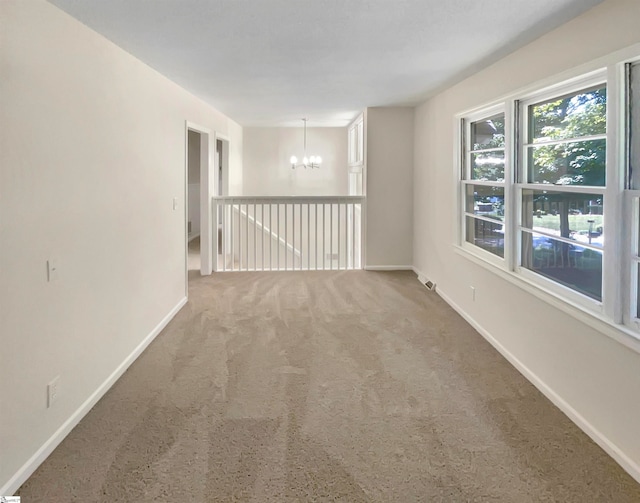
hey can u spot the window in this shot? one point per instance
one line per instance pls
(562, 190)
(549, 191)
(356, 142)
(633, 182)
(483, 182)
(355, 156)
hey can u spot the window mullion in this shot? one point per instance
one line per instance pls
(577, 189)
(578, 139)
(486, 150)
(614, 260)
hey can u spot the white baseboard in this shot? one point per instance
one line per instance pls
(629, 465)
(388, 268)
(14, 483)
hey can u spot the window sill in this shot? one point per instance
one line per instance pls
(622, 334)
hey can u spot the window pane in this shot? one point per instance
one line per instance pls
(634, 130)
(485, 201)
(638, 294)
(488, 166)
(572, 116)
(569, 215)
(486, 235)
(570, 265)
(573, 163)
(488, 133)
(637, 224)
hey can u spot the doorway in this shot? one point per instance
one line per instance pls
(194, 139)
(198, 192)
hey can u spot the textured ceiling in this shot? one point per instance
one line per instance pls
(271, 62)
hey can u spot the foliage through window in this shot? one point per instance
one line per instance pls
(562, 226)
(483, 183)
(565, 216)
(567, 139)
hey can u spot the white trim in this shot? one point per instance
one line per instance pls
(617, 308)
(355, 158)
(560, 290)
(620, 333)
(48, 447)
(388, 268)
(292, 199)
(631, 251)
(206, 229)
(579, 84)
(484, 255)
(575, 139)
(463, 178)
(484, 183)
(630, 466)
(484, 219)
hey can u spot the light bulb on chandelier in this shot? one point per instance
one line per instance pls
(313, 161)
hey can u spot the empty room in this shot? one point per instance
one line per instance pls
(320, 250)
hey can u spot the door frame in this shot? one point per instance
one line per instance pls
(206, 184)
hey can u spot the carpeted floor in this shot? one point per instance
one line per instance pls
(324, 386)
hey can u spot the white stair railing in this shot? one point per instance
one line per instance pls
(288, 233)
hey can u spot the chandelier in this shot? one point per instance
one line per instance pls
(313, 161)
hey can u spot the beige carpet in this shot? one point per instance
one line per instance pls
(324, 386)
(193, 257)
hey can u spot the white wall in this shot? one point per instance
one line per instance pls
(594, 378)
(389, 186)
(267, 170)
(92, 153)
(193, 177)
(235, 132)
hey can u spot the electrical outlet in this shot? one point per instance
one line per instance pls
(473, 293)
(52, 391)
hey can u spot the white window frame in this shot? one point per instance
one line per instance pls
(631, 213)
(355, 142)
(574, 86)
(464, 179)
(632, 208)
(616, 315)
